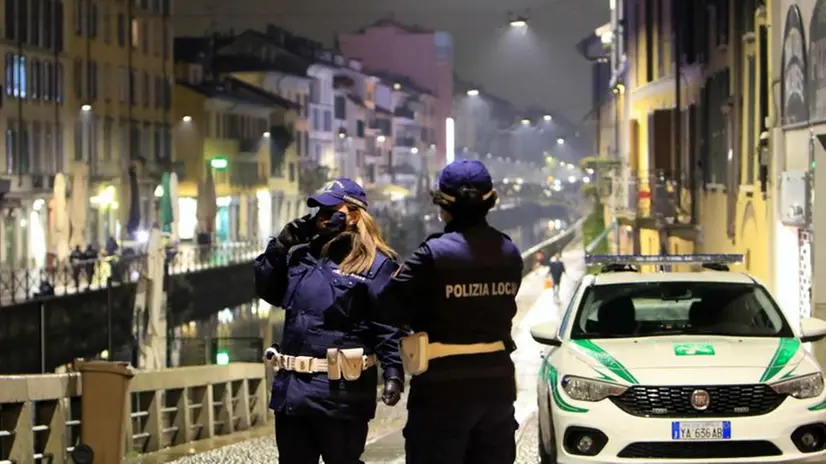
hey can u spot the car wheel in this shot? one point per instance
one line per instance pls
(547, 455)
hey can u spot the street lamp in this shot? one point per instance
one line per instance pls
(381, 138)
(266, 134)
(86, 108)
(560, 141)
(187, 119)
(526, 121)
(472, 93)
(547, 117)
(518, 22)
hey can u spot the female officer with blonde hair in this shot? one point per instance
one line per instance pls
(325, 271)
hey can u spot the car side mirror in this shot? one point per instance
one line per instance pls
(812, 329)
(546, 334)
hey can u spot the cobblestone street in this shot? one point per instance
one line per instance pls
(385, 441)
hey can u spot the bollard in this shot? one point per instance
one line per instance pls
(104, 408)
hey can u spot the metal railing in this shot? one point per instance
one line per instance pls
(200, 351)
(27, 284)
(553, 245)
(40, 415)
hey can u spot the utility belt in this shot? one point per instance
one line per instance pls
(347, 364)
(417, 351)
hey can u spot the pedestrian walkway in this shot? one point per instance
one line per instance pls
(385, 441)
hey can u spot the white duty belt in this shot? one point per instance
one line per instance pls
(417, 351)
(346, 363)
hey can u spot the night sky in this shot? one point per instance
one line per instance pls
(537, 67)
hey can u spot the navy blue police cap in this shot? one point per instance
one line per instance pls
(463, 175)
(338, 191)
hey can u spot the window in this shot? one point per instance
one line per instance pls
(16, 75)
(78, 17)
(121, 26)
(316, 120)
(340, 107)
(649, 40)
(133, 87)
(751, 114)
(722, 11)
(48, 78)
(93, 140)
(678, 308)
(35, 19)
(328, 121)
(291, 172)
(106, 23)
(360, 128)
(11, 21)
(106, 83)
(23, 22)
(9, 66)
(48, 23)
(77, 78)
(36, 79)
(58, 38)
(58, 147)
(147, 91)
(60, 86)
(11, 147)
(123, 139)
(661, 38)
(25, 149)
(37, 147)
(93, 20)
(123, 84)
(135, 34)
(144, 33)
(48, 150)
(93, 80)
(79, 139)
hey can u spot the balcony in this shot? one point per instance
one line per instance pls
(250, 145)
(406, 142)
(662, 198)
(240, 175)
(405, 113)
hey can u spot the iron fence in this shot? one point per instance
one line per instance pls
(79, 276)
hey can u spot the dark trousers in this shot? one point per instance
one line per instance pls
(302, 440)
(476, 433)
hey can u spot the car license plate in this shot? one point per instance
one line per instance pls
(703, 431)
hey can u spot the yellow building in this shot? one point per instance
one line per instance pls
(119, 102)
(238, 132)
(694, 180)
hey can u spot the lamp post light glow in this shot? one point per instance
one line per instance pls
(472, 93)
(547, 117)
(526, 121)
(381, 138)
(450, 140)
(519, 23)
(187, 119)
(266, 134)
(86, 108)
(560, 141)
(219, 163)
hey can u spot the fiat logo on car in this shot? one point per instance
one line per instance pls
(700, 400)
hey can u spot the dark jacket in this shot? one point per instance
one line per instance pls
(326, 309)
(556, 268)
(460, 287)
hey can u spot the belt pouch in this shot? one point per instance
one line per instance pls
(333, 366)
(351, 362)
(414, 353)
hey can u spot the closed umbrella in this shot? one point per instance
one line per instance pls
(134, 221)
(165, 207)
(173, 195)
(60, 220)
(78, 208)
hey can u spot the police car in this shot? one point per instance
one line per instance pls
(678, 367)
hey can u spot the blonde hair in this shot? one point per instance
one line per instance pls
(364, 242)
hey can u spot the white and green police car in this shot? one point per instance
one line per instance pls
(678, 367)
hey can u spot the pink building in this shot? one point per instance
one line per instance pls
(423, 55)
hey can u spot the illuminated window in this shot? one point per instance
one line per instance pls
(136, 33)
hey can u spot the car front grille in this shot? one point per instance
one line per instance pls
(700, 450)
(675, 401)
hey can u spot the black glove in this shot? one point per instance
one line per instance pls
(295, 233)
(393, 389)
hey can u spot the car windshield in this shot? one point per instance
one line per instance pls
(678, 308)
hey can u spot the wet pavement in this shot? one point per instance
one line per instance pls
(385, 442)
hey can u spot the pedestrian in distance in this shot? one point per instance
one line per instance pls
(556, 268)
(325, 271)
(457, 293)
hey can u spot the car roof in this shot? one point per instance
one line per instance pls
(612, 278)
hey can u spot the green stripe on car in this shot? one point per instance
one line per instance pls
(786, 349)
(818, 407)
(595, 351)
(553, 378)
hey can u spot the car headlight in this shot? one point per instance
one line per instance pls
(583, 389)
(806, 386)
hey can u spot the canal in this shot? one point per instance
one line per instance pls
(241, 333)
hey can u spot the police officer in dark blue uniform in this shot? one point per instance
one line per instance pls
(457, 292)
(325, 271)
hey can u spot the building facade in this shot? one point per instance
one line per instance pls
(688, 148)
(425, 56)
(33, 118)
